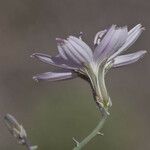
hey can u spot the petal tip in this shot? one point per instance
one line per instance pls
(59, 40)
(144, 52)
(143, 28)
(33, 55)
(35, 78)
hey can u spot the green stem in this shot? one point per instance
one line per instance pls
(92, 134)
(97, 82)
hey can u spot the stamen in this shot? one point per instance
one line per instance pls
(80, 35)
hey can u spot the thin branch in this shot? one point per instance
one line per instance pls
(95, 132)
(27, 144)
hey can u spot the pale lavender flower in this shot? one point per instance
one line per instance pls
(76, 58)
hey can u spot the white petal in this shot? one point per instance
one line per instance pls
(55, 61)
(60, 49)
(138, 26)
(128, 59)
(99, 36)
(76, 52)
(82, 44)
(53, 76)
(133, 35)
(79, 50)
(104, 42)
(61, 52)
(112, 41)
(70, 52)
(46, 58)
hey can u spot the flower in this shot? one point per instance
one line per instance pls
(77, 59)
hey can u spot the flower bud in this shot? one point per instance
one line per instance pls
(15, 129)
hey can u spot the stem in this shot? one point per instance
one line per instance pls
(101, 97)
(92, 134)
(28, 147)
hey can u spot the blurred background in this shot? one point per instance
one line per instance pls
(53, 113)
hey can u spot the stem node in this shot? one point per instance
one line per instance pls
(99, 133)
(76, 142)
(92, 134)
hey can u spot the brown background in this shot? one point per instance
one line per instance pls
(53, 113)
